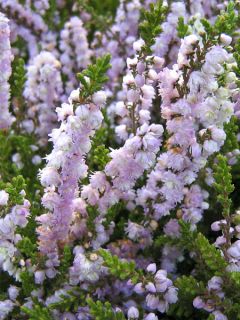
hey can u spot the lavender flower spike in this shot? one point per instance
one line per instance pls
(6, 57)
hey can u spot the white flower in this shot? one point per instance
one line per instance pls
(99, 98)
(131, 62)
(133, 313)
(36, 159)
(120, 109)
(225, 39)
(151, 316)
(65, 110)
(13, 292)
(217, 134)
(158, 62)
(121, 131)
(133, 230)
(49, 176)
(152, 267)
(210, 146)
(137, 45)
(148, 91)
(3, 198)
(74, 96)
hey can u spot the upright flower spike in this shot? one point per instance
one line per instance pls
(118, 39)
(139, 151)
(11, 223)
(43, 89)
(75, 51)
(26, 34)
(41, 6)
(132, 106)
(23, 15)
(139, 91)
(194, 120)
(79, 119)
(65, 166)
(210, 300)
(167, 42)
(6, 58)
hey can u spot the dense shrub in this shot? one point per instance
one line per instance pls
(119, 160)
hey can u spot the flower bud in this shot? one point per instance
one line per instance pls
(133, 313)
(225, 39)
(99, 98)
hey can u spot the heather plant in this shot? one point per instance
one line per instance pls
(119, 160)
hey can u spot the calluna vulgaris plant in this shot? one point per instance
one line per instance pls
(119, 159)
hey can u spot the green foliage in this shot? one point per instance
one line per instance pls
(187, 235)
(235, 277)
(92, 215)
(237, 58)
(49, 14)
(28, 248)
(28, 284)
(188, 289)
(102, 13)
(161, 240)
(99, 157)
(121, 269)
(38, 312)
(207, 26)
(233, 309)
(14, 188)
(223, 184)
(182, 28)
(66, 261)
(104, 311)
(94, 77)
(18, 143)
(226, 21)
(7, 168)
(205, 253)
(18, 77)
(231, 129)
(150, 27)
(112, 213)
(96, 7)
(210, 254)
(69, 301)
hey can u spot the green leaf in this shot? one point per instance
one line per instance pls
(104, 311)
(210, 254)
(188, 289)
(28, 284)
(227, 20)
(121, 269)
(182, 28)
(222, 172)
(94, 77)
(38, 312)
(150, 27)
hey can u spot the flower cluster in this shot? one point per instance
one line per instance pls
(209, 302)
(65, 166)
(195, 130)
(42, 90)
(6, 57)
(75, 52)
(16, 218)
(160, 293)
